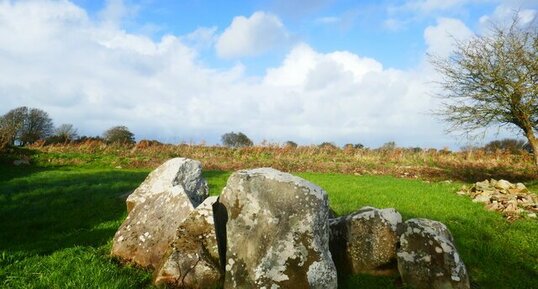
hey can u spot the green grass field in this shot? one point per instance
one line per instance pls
(57, 224)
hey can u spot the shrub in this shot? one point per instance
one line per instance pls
(235, 140)
(290, 144)
(391, 145)
(118, 135)
(353, 146)
(513, 146)
(327, 145)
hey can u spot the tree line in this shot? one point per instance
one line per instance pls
(23, 126)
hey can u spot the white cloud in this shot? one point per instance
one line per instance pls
(115, 11)
(441, 38)
(251, 36)
(504, 13)
(201, 38)
(95, 76)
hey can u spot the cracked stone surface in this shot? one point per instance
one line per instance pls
(277, 232)
(156, 209)
(175, 175)
(366, 241)
(427, 257)
(192, 261)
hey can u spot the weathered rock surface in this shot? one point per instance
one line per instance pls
(277, 232)
(512, 200)
(192, 261)
(178, 174)
(156, 209)
(366, 241)
(427, 257)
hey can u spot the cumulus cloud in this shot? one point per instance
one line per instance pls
(504, 13)
(441, 38)
(56, 58)
(251, 36)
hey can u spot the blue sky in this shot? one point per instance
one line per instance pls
(308, 71)
(361, 27)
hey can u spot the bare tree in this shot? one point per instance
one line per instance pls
(37, 125)
(25, 125)
(11, 124)
(492, 80)
(64, 133)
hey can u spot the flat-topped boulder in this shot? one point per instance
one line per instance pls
(277, 232)
(192, 261)
(156, 209)
(428, 259)
(366, 241)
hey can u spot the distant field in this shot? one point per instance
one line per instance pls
(430, 164)
(58, 222)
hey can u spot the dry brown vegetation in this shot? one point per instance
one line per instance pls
(432, 164)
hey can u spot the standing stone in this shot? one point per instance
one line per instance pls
(366, 241)
(156, 209)
(192, 261)
(277, 232)
(428, 259)
(174, 173)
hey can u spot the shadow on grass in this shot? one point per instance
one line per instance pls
(470, 174)
(48, 209)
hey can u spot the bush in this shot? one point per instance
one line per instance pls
(388, 146)
(513, 146)
(353, 146)
(290, 144)
(119, 135)
(235, 140)
(327, 145)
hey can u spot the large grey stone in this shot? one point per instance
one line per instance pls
(428, 259)
(277, 232)
(177, 174)
(366, 241)
(156, 209)
(192, 262)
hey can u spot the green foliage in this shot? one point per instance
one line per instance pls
(119, 135)
(236, 140)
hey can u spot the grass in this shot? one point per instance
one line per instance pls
(435, 164)
(58, 222)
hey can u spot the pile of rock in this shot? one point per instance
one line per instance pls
(512, 200)
(269, 229)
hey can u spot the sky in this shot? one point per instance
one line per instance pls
(189, 71)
